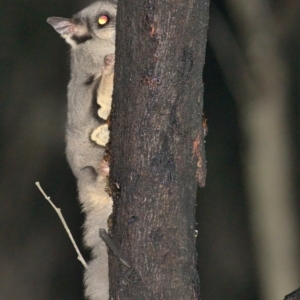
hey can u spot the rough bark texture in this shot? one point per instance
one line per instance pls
(156, 148)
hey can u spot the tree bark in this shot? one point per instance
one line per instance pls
(157, 147)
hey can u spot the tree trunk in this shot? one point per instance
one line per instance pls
(157, 147)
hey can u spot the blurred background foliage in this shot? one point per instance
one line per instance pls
(248, 213)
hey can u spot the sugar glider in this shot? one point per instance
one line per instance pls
(91, 35)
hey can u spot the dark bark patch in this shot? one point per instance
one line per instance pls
(187, 62)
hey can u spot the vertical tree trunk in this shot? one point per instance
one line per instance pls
(156, 145)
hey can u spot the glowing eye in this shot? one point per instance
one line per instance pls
(103, 20)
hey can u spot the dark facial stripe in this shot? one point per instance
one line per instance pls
(81, 39)
(88, 25)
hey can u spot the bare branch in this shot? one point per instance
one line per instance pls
(58, 211)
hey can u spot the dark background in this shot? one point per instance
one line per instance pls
(37, 260)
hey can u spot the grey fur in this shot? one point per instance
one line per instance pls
(90, 44)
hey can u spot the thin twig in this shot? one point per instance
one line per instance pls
(111, 245)
(58, 211)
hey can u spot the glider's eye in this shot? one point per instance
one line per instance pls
(103, 20)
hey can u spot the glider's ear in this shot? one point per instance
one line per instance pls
(63, 26)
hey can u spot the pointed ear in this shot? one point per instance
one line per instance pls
(62, 26)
